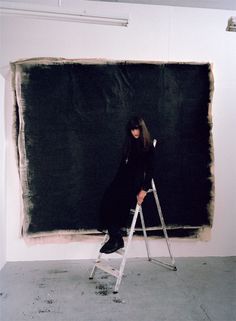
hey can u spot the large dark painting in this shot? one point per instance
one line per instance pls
(70, 119)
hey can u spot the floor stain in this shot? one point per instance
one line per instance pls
(205, 312)
(42, 285)
(57, 271)
(3, 295)
(118, 300)
(44, 311)
(102, 289)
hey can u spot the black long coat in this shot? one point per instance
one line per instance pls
(134, 174)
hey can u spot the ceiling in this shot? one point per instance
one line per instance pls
(211, 4)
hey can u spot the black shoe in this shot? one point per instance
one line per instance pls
(112, 245)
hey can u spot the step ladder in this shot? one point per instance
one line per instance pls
(118, 273)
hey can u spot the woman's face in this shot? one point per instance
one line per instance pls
(135, 132)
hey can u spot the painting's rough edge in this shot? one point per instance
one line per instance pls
(58, 61)
(202, 233)
(211, 144)
(22, 162)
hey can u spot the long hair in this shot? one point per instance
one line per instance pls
(145, 137)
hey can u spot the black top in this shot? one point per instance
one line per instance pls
(134, 174)
(136, 168)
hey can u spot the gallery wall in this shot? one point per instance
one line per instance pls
(154, 33)
(2, 177)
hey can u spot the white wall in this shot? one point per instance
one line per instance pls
(2, 177)
(155, 33)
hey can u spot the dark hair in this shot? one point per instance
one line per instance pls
(145, 138)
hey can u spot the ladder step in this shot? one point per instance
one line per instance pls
(120, 252)
(107, 268)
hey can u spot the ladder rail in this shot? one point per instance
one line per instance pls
(145, 233)
(162, 222)
(131, 232)
(98, 257)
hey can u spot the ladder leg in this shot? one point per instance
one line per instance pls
(131, 232)
(98, 257)
(144, 233)
(163, 224)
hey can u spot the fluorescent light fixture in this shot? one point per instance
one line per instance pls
(231, 24)
(62, 15)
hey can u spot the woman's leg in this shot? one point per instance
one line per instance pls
(116, 217)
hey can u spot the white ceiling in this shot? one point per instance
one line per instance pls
(212, 4)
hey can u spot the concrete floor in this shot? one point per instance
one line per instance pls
(202, 289)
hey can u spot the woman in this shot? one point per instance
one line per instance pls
(130, 184)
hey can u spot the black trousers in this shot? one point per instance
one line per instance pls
(115, 208)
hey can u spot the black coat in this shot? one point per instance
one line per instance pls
(134, 174)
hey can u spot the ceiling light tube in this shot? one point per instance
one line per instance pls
(64, 16)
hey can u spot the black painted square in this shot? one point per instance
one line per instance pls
(70, 129)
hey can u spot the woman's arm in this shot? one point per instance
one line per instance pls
(148, 175)
(149, 169)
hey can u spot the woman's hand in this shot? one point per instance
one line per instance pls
(140, 197)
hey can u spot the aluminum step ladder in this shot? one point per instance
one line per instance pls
(118, 272)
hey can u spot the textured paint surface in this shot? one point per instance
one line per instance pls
(70, 119)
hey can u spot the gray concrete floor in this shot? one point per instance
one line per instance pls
(202, 289)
